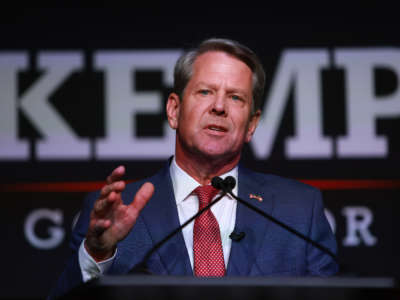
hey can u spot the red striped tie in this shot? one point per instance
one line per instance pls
(207, 246)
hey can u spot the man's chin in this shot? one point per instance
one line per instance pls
(217, 154)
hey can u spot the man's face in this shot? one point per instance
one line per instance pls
(214, 117)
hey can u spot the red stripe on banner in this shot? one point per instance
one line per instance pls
(353, 184)
(84, 186)
(47, 187)
(53, 186)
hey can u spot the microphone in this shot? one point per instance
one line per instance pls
(141, 267)
(225, 185)
(237, 236)
(218, 183)
(229, 183)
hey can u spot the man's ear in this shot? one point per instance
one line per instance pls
(173, 106)
(254, 119)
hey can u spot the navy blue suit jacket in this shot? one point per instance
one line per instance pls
(266, 249)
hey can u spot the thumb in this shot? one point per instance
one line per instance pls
(142, 196)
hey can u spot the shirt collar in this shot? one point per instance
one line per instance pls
(183, 184)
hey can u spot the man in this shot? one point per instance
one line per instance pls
(215, 109)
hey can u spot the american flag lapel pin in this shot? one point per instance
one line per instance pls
(253, 196)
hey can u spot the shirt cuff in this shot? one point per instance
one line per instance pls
(89, 267)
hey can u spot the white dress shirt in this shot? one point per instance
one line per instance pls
(187, 205)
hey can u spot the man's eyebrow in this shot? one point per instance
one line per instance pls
(200, 83)
(237, 90)
(229, 89)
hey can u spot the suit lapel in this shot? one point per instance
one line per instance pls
(244, 252)
(161, 217)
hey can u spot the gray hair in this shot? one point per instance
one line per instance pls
(184, 66)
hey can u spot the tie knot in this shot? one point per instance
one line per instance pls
(205, 193)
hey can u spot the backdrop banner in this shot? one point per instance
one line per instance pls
(79, 98)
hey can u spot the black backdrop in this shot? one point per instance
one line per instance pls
(42, 192)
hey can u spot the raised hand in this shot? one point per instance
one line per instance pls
(111, 220)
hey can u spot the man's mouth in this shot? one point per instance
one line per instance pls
(217, 128)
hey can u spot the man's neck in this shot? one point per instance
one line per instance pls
(203, 170)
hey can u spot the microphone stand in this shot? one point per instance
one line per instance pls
(288, 228)
(229, 183)
(226, 185)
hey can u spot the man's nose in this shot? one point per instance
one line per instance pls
(219, 105)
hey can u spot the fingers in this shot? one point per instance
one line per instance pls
(111, 220)
(116, 174)
(110, 193)
(105, 205)
(142, 196)
(117, 187)
(101, 238)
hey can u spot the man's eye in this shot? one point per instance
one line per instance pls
(204, 92)
(236, 97)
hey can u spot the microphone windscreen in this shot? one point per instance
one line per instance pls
(217, 182)
(230, 182)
